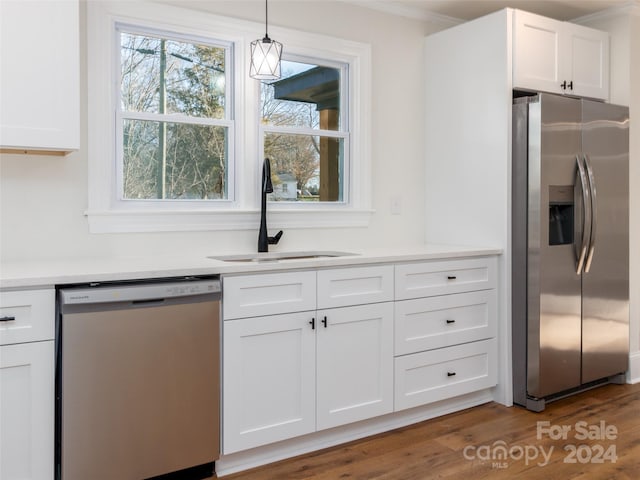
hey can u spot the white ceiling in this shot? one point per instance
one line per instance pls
(470, 9)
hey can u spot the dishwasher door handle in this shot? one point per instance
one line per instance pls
(148, 303)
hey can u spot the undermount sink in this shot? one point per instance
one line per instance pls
(280, 256)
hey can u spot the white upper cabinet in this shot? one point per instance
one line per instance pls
(39, 76)
(559, 57)
(588, 61)
(536, 53)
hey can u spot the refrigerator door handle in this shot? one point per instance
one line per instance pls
(594, 217)
(586, 209)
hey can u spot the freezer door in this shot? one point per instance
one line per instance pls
(553, 294)
(605, 283)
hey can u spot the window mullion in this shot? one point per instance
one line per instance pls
(304, 131)
(174, 118)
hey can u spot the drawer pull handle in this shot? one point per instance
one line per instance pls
(313, 323)
(451, 277)
(7, 319)
(324, 322)
(449, 321)
(451, 374)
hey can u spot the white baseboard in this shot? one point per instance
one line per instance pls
(256, 457)
(634, 368)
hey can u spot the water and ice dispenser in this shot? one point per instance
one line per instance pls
(561, 214)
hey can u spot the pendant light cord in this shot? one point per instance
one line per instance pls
(266, 18)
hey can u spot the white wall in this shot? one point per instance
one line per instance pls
(43, 199)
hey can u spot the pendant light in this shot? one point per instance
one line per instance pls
(265, 55)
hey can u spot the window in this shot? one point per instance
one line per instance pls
(304, 130)
(175, 131)
(174, 125)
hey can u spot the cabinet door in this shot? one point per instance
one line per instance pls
(354, 363)
(39, 66)
(27, 413)
(588, 61)
(537, 53)
(268, 380)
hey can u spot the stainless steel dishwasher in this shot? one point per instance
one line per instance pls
(137, 380)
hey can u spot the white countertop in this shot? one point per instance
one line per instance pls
(47, 273)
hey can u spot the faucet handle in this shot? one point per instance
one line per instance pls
(274, 240)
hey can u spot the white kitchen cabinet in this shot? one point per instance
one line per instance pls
(26, 412)
(440, 374)
(446, 318)
(426, 279)
(559, 57)
(354, 363)
(39, 76)
(268, 294)
(269, 391)
(26, 316)
(26, 385)
(435, 322)
(355, 286)
(287, 374)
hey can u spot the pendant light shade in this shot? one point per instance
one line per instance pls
(265, 59)
(265, 55)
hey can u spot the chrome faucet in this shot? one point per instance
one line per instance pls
(267, 187)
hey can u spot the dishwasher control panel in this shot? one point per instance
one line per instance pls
(139, 292)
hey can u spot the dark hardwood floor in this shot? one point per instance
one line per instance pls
(601, 441)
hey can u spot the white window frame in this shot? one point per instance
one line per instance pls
(227, 122)
(107, 215)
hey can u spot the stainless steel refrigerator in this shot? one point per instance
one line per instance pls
(570, 244)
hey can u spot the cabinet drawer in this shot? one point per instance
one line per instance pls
(268, 294)
(415, 280)
(442, 321)
(439, 374)
(27, 316)
(355, 286)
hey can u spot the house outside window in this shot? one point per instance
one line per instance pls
(305, 129)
